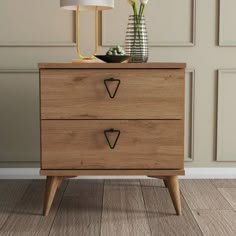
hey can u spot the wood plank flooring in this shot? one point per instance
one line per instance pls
(11, 191)
(161, 212)
(118, 208)
(124, 210)
(80, 209)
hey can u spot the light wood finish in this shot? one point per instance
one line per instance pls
(172, 183)
(126, 206)
(161, 213)
(52, 184)
(80, 209)
(111, 172)
(143, 94)
(219, 220)
(78, 107)
(228, 189)
(26, 218)
(112, 66)
(141, 145)
(216, 223)
(124, 210)
(201, 194)
(11, 191)
(222, 183)
(230, 195)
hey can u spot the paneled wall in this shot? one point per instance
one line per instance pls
(198, 32)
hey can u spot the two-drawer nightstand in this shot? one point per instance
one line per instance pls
(112, 119)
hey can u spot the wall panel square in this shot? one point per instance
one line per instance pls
(226, 117)
(169, 23)
(227, 33)
(35, 23)
(19, 116)
(189, 115)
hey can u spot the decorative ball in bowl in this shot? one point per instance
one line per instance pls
(114, 55)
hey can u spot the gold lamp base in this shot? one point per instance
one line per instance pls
(92, 60)
(85, 59)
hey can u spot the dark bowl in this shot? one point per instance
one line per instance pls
(113, 59)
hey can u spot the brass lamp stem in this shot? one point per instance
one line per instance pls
(78, 35)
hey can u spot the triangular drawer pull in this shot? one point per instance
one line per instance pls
(112, 145)
(112, 80)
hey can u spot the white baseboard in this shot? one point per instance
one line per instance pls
(191, 173)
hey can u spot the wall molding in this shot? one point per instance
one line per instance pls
(38, 45)
(192, 43)
(191, 173)
(19, 71)
(223, 43)
(192, 114)
(219, 118)
(19, 115)
(45, 44)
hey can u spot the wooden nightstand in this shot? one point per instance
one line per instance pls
(112, 119)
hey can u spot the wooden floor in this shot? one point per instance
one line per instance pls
(118, 208)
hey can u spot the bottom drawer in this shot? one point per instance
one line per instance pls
(92, 144)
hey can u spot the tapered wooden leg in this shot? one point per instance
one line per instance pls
(52, 183)
(173, 187)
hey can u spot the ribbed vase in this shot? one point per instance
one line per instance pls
(136, 41)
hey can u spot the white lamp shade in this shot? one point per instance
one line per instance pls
(87, 4)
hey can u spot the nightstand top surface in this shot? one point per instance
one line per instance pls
(153, 65)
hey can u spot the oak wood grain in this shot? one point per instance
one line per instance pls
(141, 145)
(162, 218)
(81, 94)
(11, 191)
(80, 210)
(27, 218)
(172, 184)
(52, 184)
(76, 109)
(124, 210)
(112, 65)
(216, 222)
(166, 172)
(202, 194)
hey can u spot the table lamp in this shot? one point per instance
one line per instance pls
(81, 5)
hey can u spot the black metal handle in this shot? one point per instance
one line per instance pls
(112, 131)
(106, 82)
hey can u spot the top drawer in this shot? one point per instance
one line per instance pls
(87, 94)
